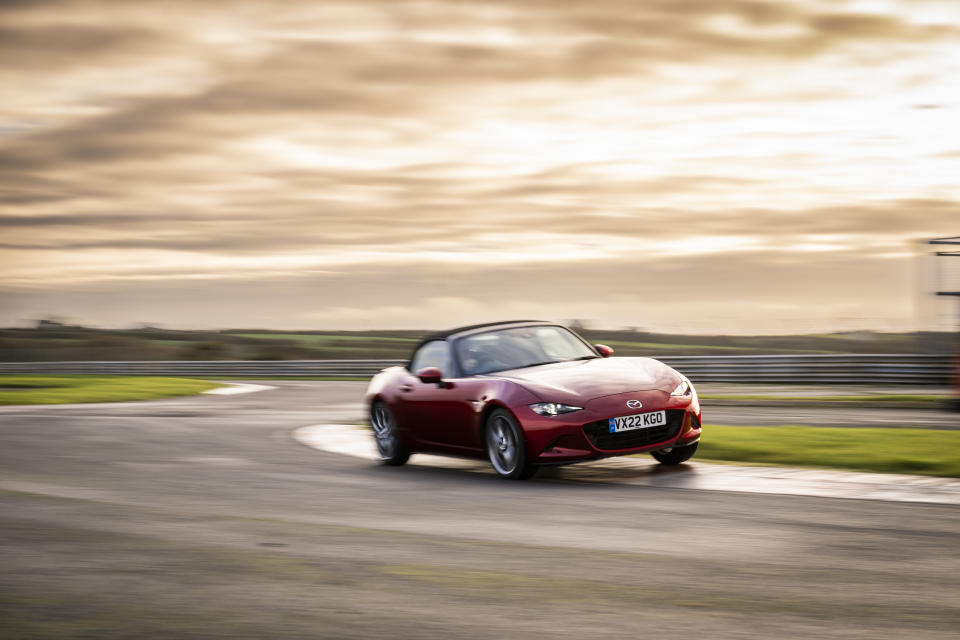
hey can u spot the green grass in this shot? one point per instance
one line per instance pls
(916, 451)
(322, 339)
(321, 378)
(667, 347)
(71, 389)
(881, 398)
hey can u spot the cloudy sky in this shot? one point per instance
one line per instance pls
(678, 165)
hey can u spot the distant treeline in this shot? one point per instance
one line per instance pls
(54, 341)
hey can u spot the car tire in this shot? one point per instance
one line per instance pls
(677, 455)
(506, 446)
(389, 446)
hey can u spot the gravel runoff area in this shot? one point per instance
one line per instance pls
(202, 517)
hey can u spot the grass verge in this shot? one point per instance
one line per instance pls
(917, 451)
(71, 389)
(320, 378)
(879, 398)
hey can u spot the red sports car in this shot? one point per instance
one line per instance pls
(530, 393)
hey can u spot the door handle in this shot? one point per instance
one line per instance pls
(405, 388)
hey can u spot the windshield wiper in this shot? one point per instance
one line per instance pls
(537, 364)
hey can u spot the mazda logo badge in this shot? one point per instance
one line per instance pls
(634, 404)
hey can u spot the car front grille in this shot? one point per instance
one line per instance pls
(599, 433)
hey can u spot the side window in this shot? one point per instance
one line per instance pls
(433, 354)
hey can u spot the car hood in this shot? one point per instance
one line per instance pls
(579, 381)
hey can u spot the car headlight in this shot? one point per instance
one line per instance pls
(552, 408)
(683, 389)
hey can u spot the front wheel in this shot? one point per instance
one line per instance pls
(506, 447)
(675, 455)
(391, 450)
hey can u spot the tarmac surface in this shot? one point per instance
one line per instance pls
(203, 518)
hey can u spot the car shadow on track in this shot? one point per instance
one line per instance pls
(611, 471)
(616, 471)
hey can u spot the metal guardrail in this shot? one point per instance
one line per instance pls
(817, 369)
(777, 369)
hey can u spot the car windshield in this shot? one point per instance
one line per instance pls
(519, 347)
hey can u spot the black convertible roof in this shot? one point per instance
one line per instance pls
(443, 335)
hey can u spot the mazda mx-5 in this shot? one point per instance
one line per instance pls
(528, 393)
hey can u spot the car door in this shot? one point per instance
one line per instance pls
(441, 414)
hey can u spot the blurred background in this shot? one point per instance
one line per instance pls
(748, 189)
(680, 167)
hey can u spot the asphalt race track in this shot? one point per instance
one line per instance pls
(204, 518)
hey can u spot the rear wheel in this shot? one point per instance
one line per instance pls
(506, 447)
(675, 455)
(389, 447)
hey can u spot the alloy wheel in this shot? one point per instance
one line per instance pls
(384, 430)
(502, 445)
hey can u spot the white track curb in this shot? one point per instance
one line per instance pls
(235, 388)
(357, 442)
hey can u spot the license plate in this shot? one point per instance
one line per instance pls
(638, 421)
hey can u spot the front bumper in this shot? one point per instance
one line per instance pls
(582, 435)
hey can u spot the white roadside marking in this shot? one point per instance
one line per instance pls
(235, 388)
(356, 441)
(351, 440)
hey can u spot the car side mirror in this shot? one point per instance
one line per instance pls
(430, 375)
(603, 350)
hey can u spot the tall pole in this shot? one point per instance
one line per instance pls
(951, 249)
